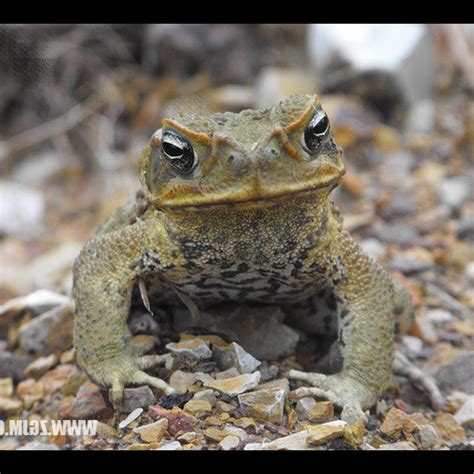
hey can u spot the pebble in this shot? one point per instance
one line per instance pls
(139, 397)
(293, 442)
(181, 381)
(6, 387)
(236, 385)
(465, 415)
(50, 332)
(457, 374)
(22, 210)
(30, 391)
(38, 302)
(454, 191)
(207, 395)
(395, 421)
(198, 407)
(235, 356)
(304, 406)
(13, 365)
(10, 406)
(38, 446)
(407, 264)
(428, 436)
(153, 432)
(58, 378)
(173, 446)
(214, 434)
(174, 400)
(266, 405)
(439, 316)
(192, 348)
(88, 404)
(354, 433)
(322, 411)
(229, 442)
(226, 374)
(373, 248)
(236, 431)
(178, 421)
(399, 446)
(449, 428)
(321, 434)
(130, 418)
(412, 344)
(41, 365)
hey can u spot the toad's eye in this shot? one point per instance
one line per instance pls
(178, 152)
(316, 130)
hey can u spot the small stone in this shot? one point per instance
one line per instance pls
(227, 374)
(354, 433)
(304, 406)
(153, 432)
(173, 446)
(181, 381)
(412, 344)
(13, 365)
(30, 391)
(229, 442)
(10, 406)
(38, 367)
(321, 434)
(189, 437)
(174, 400)
(236, 385)
(457, 374)
(235, 356)
(236, 431)
(449, 428)
(139, 397)
(399, 446)
(373, 248)
(178, 421)
(57, 378)
(38, 302)
(6, 387)
(130, 418)
(225, 407)
(395, 421)
(351, 413)
(296, 441)
(465, 415)
(266, 405)
(88, 404)
(197, 407)
(439, 316)
(322, 411)
(428, 436)
(50, 332)
(207, 395)
(37, 446)
(454, 191)
(214, 434)
(279, 384)
(105, 430)
(425, 330)
(192, 348)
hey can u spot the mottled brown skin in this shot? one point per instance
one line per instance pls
(251, 222)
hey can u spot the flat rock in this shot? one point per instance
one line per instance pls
(351, 413)
(235, 356)
(192, 348)
(39, 366)
(13, 365)
(153, 432)
(139, 397)
(428, 436)
(130, 418)
(465, 415)
(207, 395)
(449, 428)
(395, 421)
(321, 434)
(173, 446)
(229, 442)
(235, 385)
(6, 387)
(264, 404)
(322, 411)
(88, 404)
(50, 332)
(399, 446)
(37, 302)
(304, 406)
(181, 380)
(354, 433)
(458, 374)
(197, 407)
(10, 406)
(293, 442)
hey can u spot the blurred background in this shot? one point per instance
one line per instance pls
(78, 102)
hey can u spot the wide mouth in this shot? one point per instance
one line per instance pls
(231, 201)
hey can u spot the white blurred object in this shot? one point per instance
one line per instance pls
(405, 50)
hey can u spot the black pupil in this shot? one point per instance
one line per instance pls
(180, 154)
(316, 131)
(172, 150)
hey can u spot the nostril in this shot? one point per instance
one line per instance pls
(271, 154)
(230, 158)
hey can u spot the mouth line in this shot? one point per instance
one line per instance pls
(251, 201)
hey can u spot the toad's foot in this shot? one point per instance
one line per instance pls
(127, 369)
(339, 388)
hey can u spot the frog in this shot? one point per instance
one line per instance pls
(237, 208)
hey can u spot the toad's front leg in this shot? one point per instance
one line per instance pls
(104, 275)
(365, 294)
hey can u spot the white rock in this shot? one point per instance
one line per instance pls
(173, 446)
(38, 446)
(304, 407)
(465, 415)
(236, 385)
(428, 436)
(235, 356)
(192, 348)
(207, 395)
(412, 344)
(130, 418)
(351, 413)
(439, 316)
(454, 191)
(373, 248)
(37, 302)
(22, 210)
(229, 442)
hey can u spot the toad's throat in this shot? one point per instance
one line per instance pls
(268, 198)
